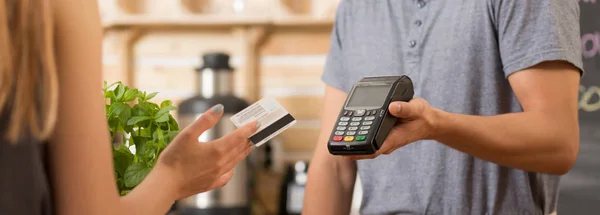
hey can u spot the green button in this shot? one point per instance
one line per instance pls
(360, 138)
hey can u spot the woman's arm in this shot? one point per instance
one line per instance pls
(80, 155)
(81, 163)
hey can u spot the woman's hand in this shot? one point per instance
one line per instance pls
(193, 167)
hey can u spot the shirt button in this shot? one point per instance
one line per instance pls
(413, 43)
(418, 22)
(421, 4)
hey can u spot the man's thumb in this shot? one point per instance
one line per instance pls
(406, 110)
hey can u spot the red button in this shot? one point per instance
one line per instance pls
(337, 138)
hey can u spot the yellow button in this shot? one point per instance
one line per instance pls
(349, 138)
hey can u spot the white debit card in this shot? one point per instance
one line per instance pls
(273, 119)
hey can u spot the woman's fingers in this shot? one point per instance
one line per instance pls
(206, 121)
(238, 156)
(238, 138)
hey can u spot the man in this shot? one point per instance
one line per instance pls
(495, 123)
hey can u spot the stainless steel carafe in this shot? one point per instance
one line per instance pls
(215, 86)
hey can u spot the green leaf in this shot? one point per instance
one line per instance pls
(113, 84)
(141, 146)
(135, 174)
(110, 95)
(116, 109)
(150, 96)
(151, 108)
(146, 132)
(163, 113)
(163, 118)
(130, 95)
(174, 126)
(113, 124)
(125, 192)
(122, 159)
(120, 91)
(160, 138)
(145, 148)
(166, 103)
(149, 149)
(138, 119)
(139, 141)
(124, 117)
(139, 110)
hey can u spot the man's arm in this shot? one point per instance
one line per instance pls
(539, 44)
(330, 178)
(543, 138)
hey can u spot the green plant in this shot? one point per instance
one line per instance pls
(145, 127)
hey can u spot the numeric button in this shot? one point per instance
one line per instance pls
(343, 123)
(341, 128)
(351, 133)
(345, 119)
(352, 128)
(354, 123)
(363, 132)
(356, 119)
(360, 113)
(365, 127)
(368, 123)
(369, 118)
(339, 133)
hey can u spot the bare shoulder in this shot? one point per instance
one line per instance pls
(81, 14)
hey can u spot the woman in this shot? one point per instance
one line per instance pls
(50, 73)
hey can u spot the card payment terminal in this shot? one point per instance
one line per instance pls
(365, 122)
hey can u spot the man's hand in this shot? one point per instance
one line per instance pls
(416, 121)
(544, 137)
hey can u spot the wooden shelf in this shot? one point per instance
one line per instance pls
(301, 21)
(140, 21)
(251, 32)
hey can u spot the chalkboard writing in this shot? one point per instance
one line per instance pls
(580, 188)
(589, 98)
(590, 45)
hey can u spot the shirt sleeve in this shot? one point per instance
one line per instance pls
(531, 32)
(334, 73)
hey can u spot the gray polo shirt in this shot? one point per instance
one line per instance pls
(459, 54)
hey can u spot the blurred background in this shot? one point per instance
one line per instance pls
(277, 48)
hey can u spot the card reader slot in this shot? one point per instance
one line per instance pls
(351, 149)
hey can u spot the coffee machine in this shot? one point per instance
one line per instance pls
(215, 85)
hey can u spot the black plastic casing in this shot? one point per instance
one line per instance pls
(401, 90)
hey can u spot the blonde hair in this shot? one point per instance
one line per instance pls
(28, 79)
